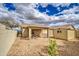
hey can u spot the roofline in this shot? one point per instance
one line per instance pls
(34, 25)
(43, 26)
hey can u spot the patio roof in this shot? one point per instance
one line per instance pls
(34, 25)
(50, 27)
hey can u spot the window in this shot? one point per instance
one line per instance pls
(59, 31)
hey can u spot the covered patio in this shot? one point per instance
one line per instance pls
(31, 31)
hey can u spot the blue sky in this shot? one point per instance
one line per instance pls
(53, 9)
(9, 6)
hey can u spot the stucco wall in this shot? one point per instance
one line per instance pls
(71, 35)
(44, 33)
(60, 35)
(64, 34)
(51, 33)
(77, 33)
(7, 38)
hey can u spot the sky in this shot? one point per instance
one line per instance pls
(49, 9)
(52, 9)
(54, 14)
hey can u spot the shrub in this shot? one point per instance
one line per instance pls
(52, 48)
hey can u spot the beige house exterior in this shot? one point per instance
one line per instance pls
(31, 31)
(77, 33)
(66, 32)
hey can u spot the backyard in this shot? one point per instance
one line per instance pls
(39, 47)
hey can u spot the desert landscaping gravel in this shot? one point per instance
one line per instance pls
(39, 47)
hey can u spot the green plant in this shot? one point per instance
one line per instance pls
(52, 48)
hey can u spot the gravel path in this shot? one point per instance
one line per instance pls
(38, 47)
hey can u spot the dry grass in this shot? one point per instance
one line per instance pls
(38, 47)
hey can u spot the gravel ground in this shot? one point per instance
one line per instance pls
(32, 47)
(68, 48)
(38, 47)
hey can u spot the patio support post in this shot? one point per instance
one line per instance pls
(30, 34)
(47, 33)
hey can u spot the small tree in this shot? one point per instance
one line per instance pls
(52, 48)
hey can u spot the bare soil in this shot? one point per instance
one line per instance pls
(39, 46)
(32, 47)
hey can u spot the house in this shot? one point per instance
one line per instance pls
(66, 32)
(77, 33)
(35, 30)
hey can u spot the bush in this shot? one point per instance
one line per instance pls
(52, 48)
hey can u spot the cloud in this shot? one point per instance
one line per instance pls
(58, 24)
(60, 4)
(33, 14)
(30, 12)
(43, 4)
(67, 16)
(57, 5)
(70, 11)
(24, 13)
(54, 4)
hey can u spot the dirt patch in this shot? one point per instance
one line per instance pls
(39, 47)
(33, 47)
